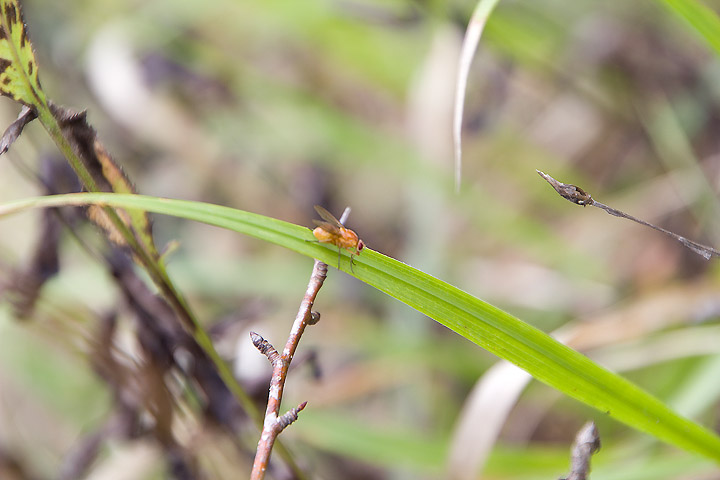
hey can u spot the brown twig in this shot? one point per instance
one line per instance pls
(586, 443)
(275, 423)
(577, 195)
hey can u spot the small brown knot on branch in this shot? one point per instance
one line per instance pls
(314, 318)
(568, 191)
(289, 417)
(265, 347)
(586, 443)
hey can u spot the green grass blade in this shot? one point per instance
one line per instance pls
(489, 327)
(700, 17)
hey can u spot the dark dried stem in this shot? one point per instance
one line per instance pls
(274, 423)
(577, 195)
(12, 133)
(586, 443)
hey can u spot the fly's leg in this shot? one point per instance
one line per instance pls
(339, 254)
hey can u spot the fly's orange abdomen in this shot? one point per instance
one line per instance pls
(324, 236)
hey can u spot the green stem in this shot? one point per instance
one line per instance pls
(159, 276)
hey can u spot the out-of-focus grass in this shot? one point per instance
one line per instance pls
(314, 110)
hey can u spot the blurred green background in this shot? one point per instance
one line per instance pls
(273, 107)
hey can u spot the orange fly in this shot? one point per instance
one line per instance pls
(330, 230)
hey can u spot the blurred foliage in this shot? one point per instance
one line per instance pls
(273, 107)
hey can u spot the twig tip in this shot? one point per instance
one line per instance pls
(569, 192)
(256, 339)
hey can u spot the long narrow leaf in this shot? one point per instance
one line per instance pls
(470, 43)
(493, 329)
(700, 17)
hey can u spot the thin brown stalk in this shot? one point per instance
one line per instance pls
(578, 196)
(274, 422)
